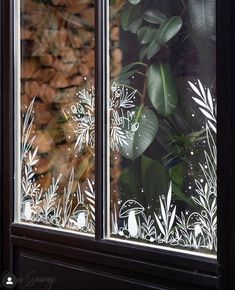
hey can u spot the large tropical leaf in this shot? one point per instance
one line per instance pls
(154, 16)
(131, 65)
(149, 50)
(143, 137)
(155, 38)
(202, 14)
(177, 174)
(125, 76)
(129, 14)
(145, 179)
(143, 52)
(169, 29)
(152, 49)
(130, 183)
(162, 88)
(129, 70)
(154, 178)
(146, 33)
(134, 2)
(135, 25)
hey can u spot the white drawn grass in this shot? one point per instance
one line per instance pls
(67, 199)
(90, 197)
(50, 199)
(26, 131)
(148, 228)
(199, 229)
(48, 207)
(167, 216)
(205, 102)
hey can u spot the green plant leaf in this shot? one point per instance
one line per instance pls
(126, 75)
(143, 137)
(154, 16)
(154, 179)
(130, 181)
(146, 33)
(135, 25)
(202, 14)
(129, 14)
(129, 70)
(190, 138)
(134, 2)
(157, 37)
(162, 88)
(168, 29)
(180, 195)
(131, 65)
(143, 52)
(177, 174)
(152, 49)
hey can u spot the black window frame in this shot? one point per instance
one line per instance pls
(154, 266)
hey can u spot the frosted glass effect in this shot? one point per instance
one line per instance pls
(57, 114)
(162, 106)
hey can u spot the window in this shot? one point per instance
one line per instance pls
(163, 158)
(162, 121)
(113, 106)
(56, 99)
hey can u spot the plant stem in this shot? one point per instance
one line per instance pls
(140, 63)
(184, 8)
(145, 87)
(140, 73)
(144, 92)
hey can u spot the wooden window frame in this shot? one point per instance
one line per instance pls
(161, 268)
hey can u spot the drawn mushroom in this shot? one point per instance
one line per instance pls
(81, 215)
(131, 209)
(27, 202)
(194, 223)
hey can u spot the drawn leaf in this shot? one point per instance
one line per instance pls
(159, 224)
(195, 89)
(206, 114)
(172, 219)
(163, 212)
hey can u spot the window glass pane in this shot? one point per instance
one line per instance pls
(163, 124)
(57, 107)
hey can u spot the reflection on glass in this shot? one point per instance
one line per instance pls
(57, 110)
(163, 123)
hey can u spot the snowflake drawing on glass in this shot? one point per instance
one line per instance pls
(72, 209)
(195, 230)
